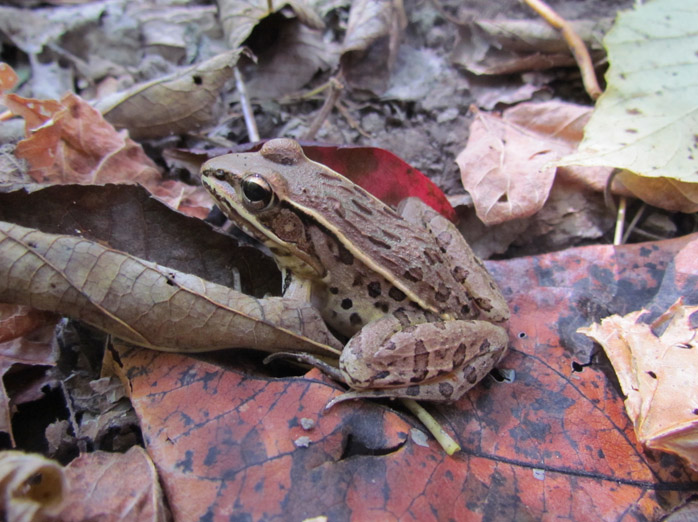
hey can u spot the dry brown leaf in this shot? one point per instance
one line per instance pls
(113, 486)
(148, 304)
(239, 17)
(663, 192)
(507, 164)
(510, 46)
(69, 142)
(32, 486)
(658, 375)
(295, 57)
(25, 340)
(175, 104)
(371, 42)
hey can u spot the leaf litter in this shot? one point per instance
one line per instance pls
(537, 203)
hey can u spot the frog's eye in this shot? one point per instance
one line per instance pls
(257, 193)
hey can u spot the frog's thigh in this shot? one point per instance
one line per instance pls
(467, 267)
(436, 361)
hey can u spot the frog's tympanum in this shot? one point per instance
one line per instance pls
(422, 315)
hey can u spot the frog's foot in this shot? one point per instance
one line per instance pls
(302, 357)
(362, 394)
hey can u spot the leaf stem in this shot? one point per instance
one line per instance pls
(449, 445)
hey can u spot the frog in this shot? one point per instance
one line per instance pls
(421, 316)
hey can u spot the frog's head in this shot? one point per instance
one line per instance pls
(253, 190)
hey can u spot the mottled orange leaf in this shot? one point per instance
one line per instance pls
(555, 443)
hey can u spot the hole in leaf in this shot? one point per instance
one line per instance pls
(652, 374)
(197, 79)
(503, 199)
(522, 335)
(503, 374)
(353, 446)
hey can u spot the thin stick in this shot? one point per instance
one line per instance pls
(449, 445)
(247, 112)
(336, 88)
(633, 223)
(575, 43)
(620, 221)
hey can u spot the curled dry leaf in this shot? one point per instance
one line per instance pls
(239, 17)
(25, 340)
(69, 142)
(176, 104)
(32, 486)
(511, 46)
(371, 42)
(148, 304)
(97, 489)
(658, 375)
(508, 163)
(646, 121)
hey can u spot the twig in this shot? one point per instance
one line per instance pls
(247, 112)
(336, 88)
(449, 445)
(575, 43)
(633, 223)
(620, 221)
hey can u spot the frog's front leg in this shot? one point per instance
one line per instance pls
(435, 361)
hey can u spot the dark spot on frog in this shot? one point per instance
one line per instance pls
(382, 306)
(381, 375)
(483, 304)
(374, 289)
(459, 355)
(465, 310)
(443, 293)
(421, 361)
(445, 389)
(413, 274)
(390, 345)
(362, 208)
(444, 238)
(645, 252)
(355, 319)
(344, 256)
(401, 316)
(334, 290)
(347, 303)
(485, 346)
(396, 294)
(470, 375)
(412, 391)
(358, 280)
(379, 243)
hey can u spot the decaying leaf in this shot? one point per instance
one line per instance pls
(371, 42)
(511, 46)
(239, 17)
(507, 165)
(25, 340)
(646, 121)
(147, 304)
(69, 142)
(175, 104)
(32, 487)
(113, 486)
(658, 375)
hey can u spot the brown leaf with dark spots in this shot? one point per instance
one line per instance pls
(180, 103)
(548, 445)
(147, 304)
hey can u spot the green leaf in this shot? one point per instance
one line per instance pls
(647, 119)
